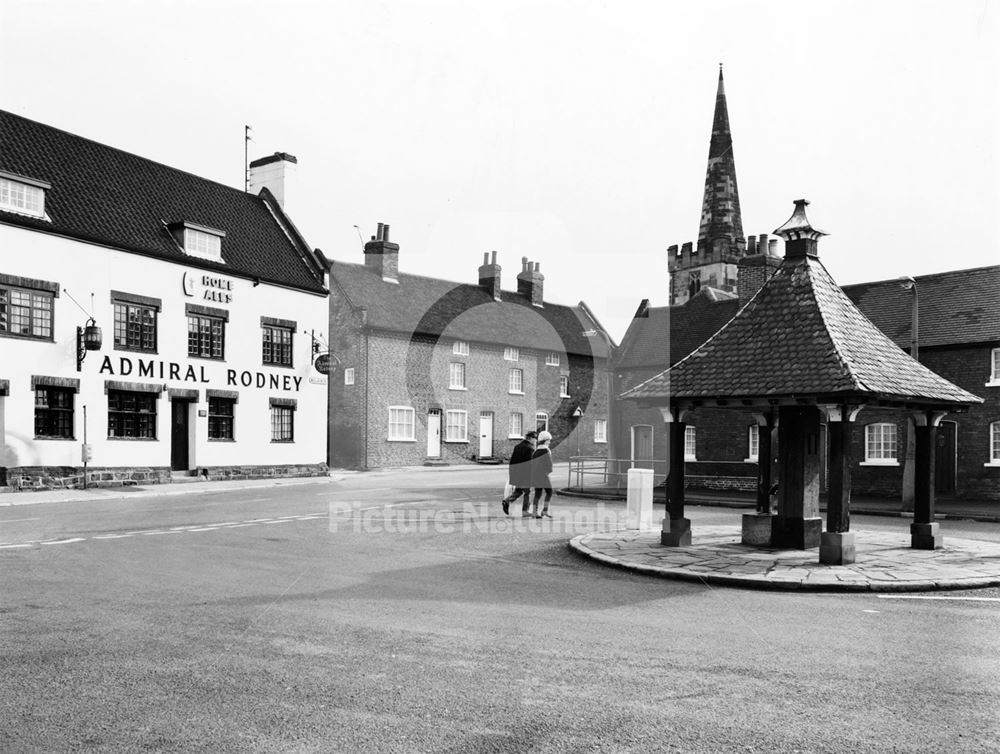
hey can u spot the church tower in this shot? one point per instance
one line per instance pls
(713, 262)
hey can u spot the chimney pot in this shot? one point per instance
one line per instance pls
(762, 244)
(538, 266)
(385, 232)
(751, 244)
(494, 258)
(378, 233)
(772, 247)
(486, 257)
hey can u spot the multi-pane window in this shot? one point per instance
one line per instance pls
(690, 443)
(995, 366)
(995, 442)
(515, 381)
(516, 425)
(135, 327)
(349, 376)
(21, 197)
(456, 376)
(221, 413)
(53, 412)
(401, 423)
(564, 386)
(880, 443)
(25, 313)
(600, 430)
(511, 354)
(460, 348)
(753, 442)
(202, 244)
(206, 336)
(131, 414)
(456, 426)
(552, 359)
(282, 423)
(277, 345)
(541, 422)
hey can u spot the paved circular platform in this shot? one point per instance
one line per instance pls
(885, 562)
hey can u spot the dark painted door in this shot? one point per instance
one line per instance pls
(944, 459)
(179, 435)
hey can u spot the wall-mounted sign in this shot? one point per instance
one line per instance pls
(212, 288)
(322, 363)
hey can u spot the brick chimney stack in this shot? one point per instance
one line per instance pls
(275, 172)
(489, 275)
(529, 282)
(756, 268)
(383, 256)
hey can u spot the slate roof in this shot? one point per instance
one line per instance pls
(466, 312)
(104, 195)
(958, 307)
(800, 336)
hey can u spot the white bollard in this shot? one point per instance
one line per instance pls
(639, 501)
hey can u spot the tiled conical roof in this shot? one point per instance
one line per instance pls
(801, 336)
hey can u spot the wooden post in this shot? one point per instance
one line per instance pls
(798, 524)
(924, 534)
(837, 544)
(676, 529)
(765, 424)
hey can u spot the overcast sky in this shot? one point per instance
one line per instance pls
(573, 133)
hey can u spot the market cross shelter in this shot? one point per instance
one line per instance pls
(164, 320)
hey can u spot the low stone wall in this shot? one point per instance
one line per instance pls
(742, 483)
(27, 478)
(71, 477)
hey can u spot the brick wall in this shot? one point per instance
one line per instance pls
(346, 402)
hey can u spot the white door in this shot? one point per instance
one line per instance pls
(486, 435)
(434, 433)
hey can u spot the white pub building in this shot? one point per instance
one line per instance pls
(152, 323)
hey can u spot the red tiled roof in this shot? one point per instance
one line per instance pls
(466, 312)
(103, 195)
(800, 336)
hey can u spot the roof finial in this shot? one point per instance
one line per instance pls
(798, 225)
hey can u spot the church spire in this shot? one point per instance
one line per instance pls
(720, 209)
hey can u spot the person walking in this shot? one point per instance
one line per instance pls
(541, 467)
(519, 473)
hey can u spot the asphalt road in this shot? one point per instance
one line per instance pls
(404, 612)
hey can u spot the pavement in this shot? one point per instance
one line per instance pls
(884, 561)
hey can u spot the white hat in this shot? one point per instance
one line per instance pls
(544, 436)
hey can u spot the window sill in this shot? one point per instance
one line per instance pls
(515, 437)
(154, 352)
(515, 392)
(456, 442)
(456, 387)
(133, 439)
(47, 438)
(752, 459)
(282, 442)
(880, 463)
(400, 439)
(222, 439)
(992, 465)
(565, 395)
(690, 458)
(18, 336)
(600, 442)
(993, 383)
(206, 358)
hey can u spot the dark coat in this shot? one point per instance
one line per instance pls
(541, 467)
(520, 464)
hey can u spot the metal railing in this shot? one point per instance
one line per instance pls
(599, 474)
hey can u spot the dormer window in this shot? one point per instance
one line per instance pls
(199, 240)
(25, 196)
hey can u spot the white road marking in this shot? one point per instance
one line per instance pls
(111, 536)
(61, 541)
(206, 528)
(936, 597)
(14, 547)
(12, 520)
(871, 611)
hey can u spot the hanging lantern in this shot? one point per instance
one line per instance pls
(92, 338)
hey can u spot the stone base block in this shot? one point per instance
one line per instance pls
(796, 533)
(676, 532)
(925, 537)
(836, 548)
(757, 529)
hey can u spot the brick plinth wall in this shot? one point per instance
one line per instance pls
(223, 473)
(71, 477)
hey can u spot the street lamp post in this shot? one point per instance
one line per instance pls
(909, 462)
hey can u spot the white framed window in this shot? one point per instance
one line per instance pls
(516, 425)
(349, 376)
(203, 242)
(23, 197)
(460, 348)
(401, 424)
(690, 444)
(564, 386)
(552, 359)
(511, 354)
(456, 376)
(541, 422)
(600, 430)
(994, 444)
(753, 443)
(515, 381)
(880, 444)
(994, 368)
(456, 426)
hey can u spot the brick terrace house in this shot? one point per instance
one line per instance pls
(434, 371)
(157, 316)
